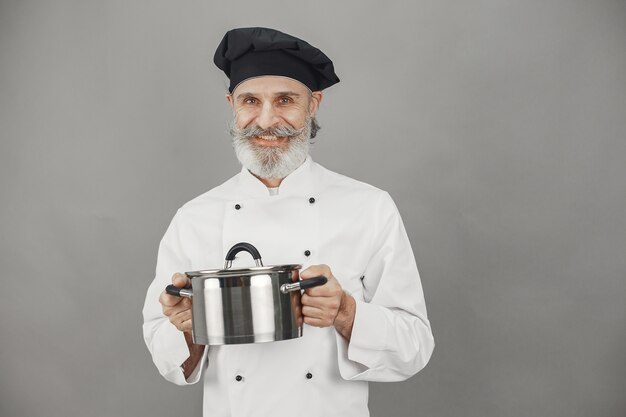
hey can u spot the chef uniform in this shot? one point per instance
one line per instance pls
(315, 217)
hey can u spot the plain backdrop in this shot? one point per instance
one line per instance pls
(497, 126)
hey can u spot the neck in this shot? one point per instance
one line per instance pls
(270, 182)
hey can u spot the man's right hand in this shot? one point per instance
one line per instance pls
(177, 309)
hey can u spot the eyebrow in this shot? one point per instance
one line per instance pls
(279, 94)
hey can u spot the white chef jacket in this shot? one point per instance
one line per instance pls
(352, 227)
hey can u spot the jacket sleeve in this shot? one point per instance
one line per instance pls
(391, 337)
(165, 342)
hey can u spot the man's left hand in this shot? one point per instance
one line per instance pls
(327, 305)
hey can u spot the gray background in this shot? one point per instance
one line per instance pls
(497, 126)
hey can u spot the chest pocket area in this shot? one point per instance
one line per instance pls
(281, 228)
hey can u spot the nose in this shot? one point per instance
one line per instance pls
(268, 116)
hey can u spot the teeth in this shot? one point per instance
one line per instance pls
(270, 137)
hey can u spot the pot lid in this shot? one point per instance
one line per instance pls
(255, 270)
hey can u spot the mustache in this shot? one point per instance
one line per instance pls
(254, 130)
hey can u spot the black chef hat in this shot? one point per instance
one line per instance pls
(251, 52)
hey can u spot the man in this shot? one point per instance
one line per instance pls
(367, 323)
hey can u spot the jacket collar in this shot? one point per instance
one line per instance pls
(301, 182)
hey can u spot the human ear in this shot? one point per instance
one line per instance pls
(316, 99)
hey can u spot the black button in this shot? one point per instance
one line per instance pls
(238, 378)
(309, 375)
(237, 206)
(311, 200)
(307, 253)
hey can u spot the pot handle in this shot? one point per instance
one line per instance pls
(242, 246)
(303, 284)
(179, 292)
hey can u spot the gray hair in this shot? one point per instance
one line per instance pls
(315, 127)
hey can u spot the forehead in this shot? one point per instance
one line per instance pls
(270, 85)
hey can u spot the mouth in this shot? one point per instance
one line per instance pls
(270, 140)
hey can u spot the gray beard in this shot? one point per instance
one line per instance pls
(271, 162)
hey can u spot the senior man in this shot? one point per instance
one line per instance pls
(367, 323)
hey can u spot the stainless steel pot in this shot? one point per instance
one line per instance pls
(246, 305)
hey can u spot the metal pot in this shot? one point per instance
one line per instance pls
(246, 305)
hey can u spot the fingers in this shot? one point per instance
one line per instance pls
(321, 316)
(320, 305)
(179, 280)
(182, 321)
(180, 315)
(330, 289)
(167, 300)
(177, 309)
(315, 271)
(182, 305)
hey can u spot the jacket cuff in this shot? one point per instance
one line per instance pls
(172, 352)
(367, 339)
(368, 331)
(197, 372)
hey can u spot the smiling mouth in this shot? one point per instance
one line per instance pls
(270, 140)
(268, 137)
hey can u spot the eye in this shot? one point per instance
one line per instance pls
(250, 100)
(285, 100)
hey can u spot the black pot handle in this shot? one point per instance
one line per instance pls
(242, 246)
(179, 292)
(304, 284)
